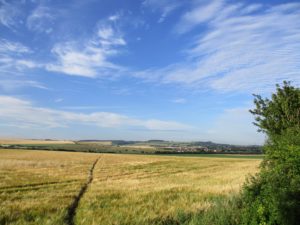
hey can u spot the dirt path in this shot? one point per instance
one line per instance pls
(73, 207)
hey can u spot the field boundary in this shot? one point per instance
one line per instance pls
(73, 207)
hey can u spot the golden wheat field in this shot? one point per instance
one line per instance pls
(39, 187)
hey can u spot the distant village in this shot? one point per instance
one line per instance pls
(208, 147)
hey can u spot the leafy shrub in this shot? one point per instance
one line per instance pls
(272, 197)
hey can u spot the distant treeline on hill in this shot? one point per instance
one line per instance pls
(182, 147)
(142, 147)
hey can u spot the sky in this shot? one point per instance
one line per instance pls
(182, 70)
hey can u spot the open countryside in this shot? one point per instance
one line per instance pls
(150, 112)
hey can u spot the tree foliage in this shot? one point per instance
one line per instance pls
(282, 111)
(273, 196)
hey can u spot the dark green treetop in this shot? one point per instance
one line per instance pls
(273, 116)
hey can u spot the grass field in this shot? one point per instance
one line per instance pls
(38, 187)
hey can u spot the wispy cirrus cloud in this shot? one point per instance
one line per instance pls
(12, 85)
(201, 13)
(41, 19)
(165, 7)
(9, 47)
(91, 58)
(14, 56)
(14, 61)
(8, 13)
(19, 112)
(245, 48)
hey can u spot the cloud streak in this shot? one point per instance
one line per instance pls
(18, 112)
(165, 7)
(12, 85)
(244, 48)
(198, 15)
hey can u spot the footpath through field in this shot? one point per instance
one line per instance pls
(73, 207)
(38, 187)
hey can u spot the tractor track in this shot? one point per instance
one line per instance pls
(73, 207)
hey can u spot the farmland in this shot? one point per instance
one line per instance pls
(39, 187)
(130, 147)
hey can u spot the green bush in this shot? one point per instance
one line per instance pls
(272, 197)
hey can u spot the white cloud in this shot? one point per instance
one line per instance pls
(245, 48)
(41, 19)
(108, 36)
(18, 112)
(90, 59)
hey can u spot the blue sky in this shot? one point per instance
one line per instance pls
(138, 70)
